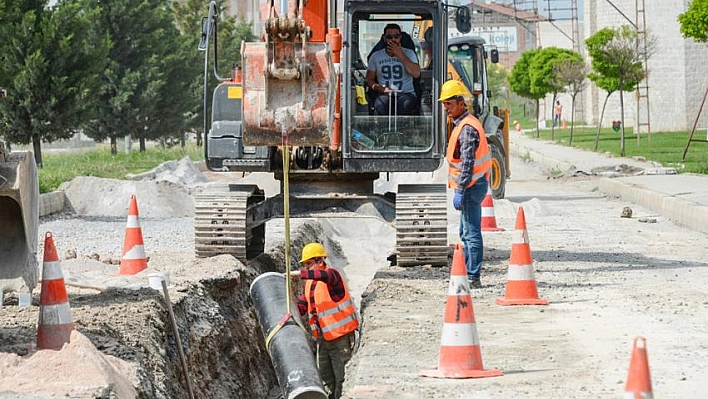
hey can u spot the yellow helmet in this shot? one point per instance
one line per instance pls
(453, 88)
(313, 250)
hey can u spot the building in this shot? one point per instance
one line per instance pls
(678, 68)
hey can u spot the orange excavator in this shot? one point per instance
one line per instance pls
(303, 87)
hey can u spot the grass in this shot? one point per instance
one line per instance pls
(665, 148)
(62, 167)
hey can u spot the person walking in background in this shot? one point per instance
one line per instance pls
(557, 113)
(332, 316)
(469, 162)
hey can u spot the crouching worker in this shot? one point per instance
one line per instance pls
(331, 315)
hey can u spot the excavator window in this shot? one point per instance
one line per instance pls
(371, 129)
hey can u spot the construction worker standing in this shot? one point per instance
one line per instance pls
(331, 315)
(469, 162)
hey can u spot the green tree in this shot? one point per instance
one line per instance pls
(137, 83)
(49, 61)
(694, 22)
(542, 72)
(617, 60)
(520, 80)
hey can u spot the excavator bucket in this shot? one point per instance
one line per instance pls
(19, 221)
(289, 91)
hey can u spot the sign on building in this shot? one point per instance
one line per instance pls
(504, 37)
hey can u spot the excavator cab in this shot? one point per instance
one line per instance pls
(387, 141)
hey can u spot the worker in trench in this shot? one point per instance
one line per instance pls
(332, 317)
(469, 162)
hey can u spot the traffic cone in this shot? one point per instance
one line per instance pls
(489, 221)
(638, 379)
(460, 354)
(133, 260)
(520, 282)
(55, 324)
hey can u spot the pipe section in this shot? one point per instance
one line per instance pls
(289, 348)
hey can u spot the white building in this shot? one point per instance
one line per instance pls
(678, 69)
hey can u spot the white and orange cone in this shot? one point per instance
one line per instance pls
(521, 283)
(489, 221)
(134, 259)
(460, 354)
(55, 325)
(638, 378)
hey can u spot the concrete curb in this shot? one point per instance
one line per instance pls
(51, 203)
(686, 213)
(679, 211)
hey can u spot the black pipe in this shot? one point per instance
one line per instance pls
(289, 347)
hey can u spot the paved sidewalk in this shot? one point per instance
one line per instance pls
(681, 198)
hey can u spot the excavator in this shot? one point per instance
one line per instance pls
(19, 221)
(303, 87)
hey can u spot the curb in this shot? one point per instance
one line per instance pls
(689, 214)
(51, 203)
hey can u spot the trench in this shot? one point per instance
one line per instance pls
(220, 334)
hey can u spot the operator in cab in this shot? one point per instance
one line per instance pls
(469, 162)
(391, 72)
(332, 316)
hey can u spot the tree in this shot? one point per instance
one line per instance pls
(49, 62)
(541, 71)
(616, 56)
(520, 80)
(570, 74)
(694, 22)
(137, 83)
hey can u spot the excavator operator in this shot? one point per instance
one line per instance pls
(332, 316)
(391, 72)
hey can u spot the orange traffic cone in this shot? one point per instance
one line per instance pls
(489, 221)
(133, 260)
(55, 324)
(520, 282)
(638, 380)
(460, 354)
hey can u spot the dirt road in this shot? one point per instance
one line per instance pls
(608, 279)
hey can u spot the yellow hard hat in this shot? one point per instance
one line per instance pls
(453, 88)
(313, 250)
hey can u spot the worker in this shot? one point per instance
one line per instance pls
(331, 314)
(517, 126)
(469, 162)
(391, 72)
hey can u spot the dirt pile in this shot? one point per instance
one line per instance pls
(78, 370)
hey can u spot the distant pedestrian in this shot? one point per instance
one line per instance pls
(332, 316)
(469, 162)
(557, 113)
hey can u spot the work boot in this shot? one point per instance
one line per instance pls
(475, 284)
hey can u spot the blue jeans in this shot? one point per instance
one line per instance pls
(471, 227)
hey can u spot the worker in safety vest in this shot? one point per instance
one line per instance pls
(469, 162)
(332, 316)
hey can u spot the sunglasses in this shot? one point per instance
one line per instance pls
(393, 36)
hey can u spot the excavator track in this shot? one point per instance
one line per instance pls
(222, 224)
(421, 225)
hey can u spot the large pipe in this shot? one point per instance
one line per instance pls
(289, 348)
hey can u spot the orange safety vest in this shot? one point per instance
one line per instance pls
(329, 319)
(482, 157)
